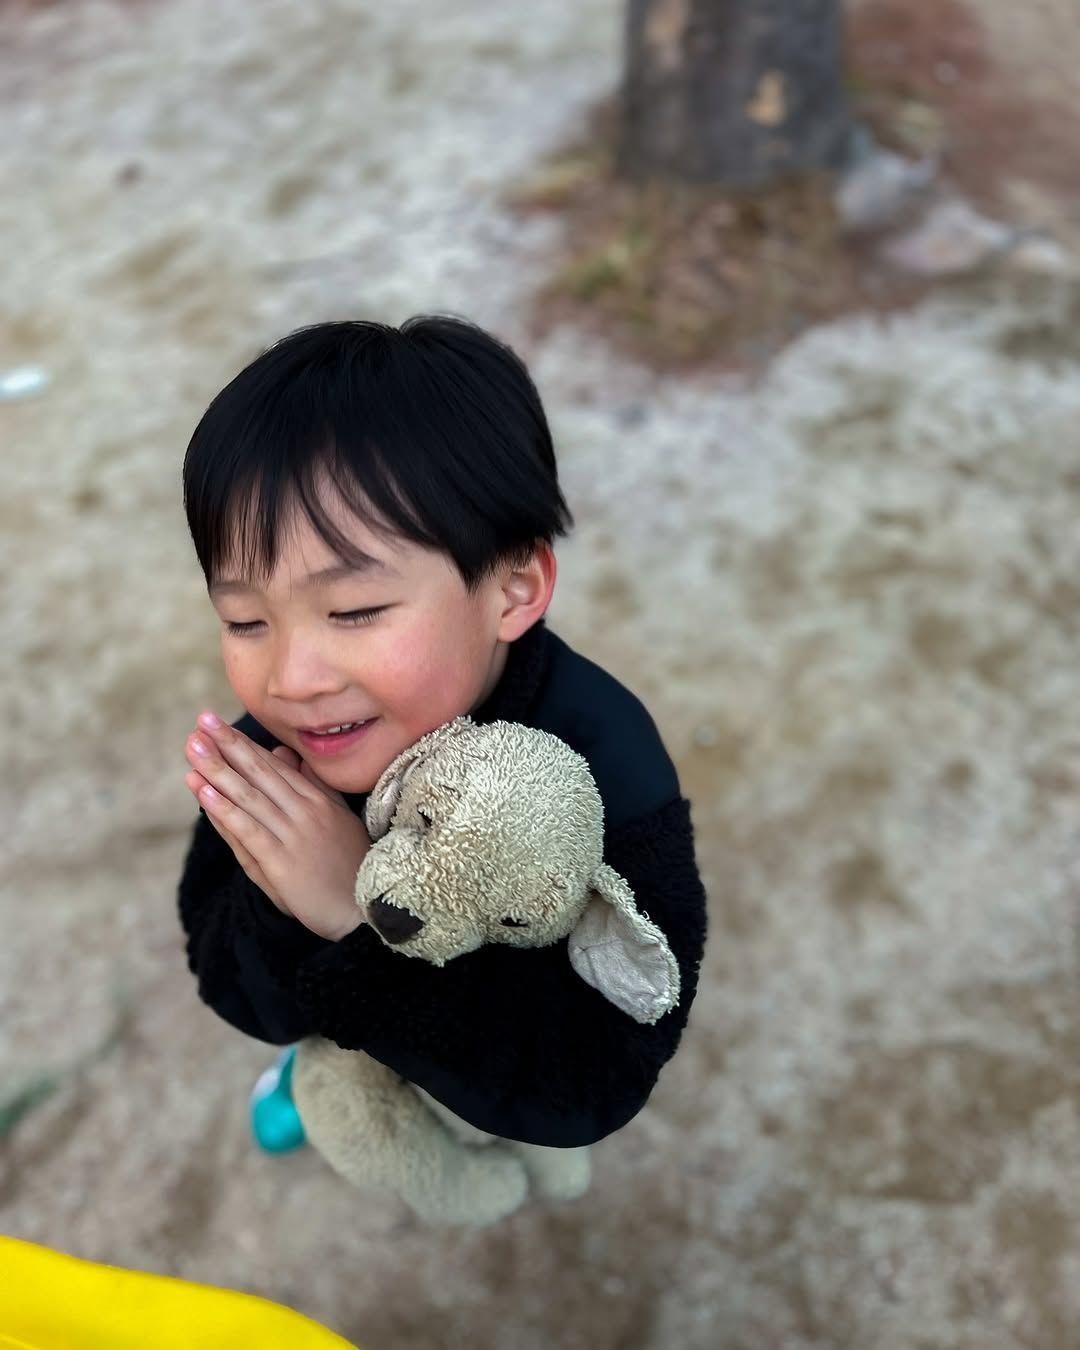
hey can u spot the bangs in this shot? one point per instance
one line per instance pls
(432, 434)
(245, 533)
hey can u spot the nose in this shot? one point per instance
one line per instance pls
(393, 923)
(301, 672)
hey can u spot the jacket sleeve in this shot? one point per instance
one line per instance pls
(512, 1039)
(242, 949)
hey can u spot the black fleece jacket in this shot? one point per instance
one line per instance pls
(511, 1039)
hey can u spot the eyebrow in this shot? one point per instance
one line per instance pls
(365, 565)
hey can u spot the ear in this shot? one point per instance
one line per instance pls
(383, 800)
(621, 952)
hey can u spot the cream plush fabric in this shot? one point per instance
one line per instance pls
(480, 834)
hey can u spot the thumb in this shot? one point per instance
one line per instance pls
(309, 774)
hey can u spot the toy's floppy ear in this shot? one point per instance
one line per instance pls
(621, 952)
(385, 795)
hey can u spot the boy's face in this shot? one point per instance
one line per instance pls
(434, 653)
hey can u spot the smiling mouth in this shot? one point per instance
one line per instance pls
(328, 728)
(331, 742)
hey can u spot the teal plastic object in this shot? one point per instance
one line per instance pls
(275, 1121)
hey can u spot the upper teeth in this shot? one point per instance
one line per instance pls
(343, 727)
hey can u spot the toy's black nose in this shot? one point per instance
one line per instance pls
(394, 924)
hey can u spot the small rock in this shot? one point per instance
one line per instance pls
(882, 188)
(1042, 256)
(951, 239)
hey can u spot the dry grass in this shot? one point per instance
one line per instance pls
(683, 276)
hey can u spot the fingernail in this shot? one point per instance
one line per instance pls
(209, 720)
(198, 747)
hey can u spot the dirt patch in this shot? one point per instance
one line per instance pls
(683, 276)
(686, 276)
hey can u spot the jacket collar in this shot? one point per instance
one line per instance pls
(526, 665)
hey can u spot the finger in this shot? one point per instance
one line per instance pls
(269, 773)
(248, 782)
(290, 757)
(237, 831)
(223, 736)
(247, 862)
(309, 774)
(196, 782)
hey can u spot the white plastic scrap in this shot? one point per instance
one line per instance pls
(21, 382)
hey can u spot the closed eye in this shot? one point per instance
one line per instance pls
(427, 819)
(513, 923)
(351, 618)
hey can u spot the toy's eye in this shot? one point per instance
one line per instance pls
(513, 923)
(425, 817)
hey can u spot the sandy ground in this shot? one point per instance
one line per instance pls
(850, 596)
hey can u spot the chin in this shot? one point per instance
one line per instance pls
(340, 779)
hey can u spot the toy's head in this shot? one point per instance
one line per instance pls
(495, 834)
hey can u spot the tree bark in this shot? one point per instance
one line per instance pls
(740, 93)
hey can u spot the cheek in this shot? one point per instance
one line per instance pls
(426, 679)
(240, 668)
(405, 679)
(415, 663)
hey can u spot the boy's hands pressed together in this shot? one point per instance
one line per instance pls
(294, 836)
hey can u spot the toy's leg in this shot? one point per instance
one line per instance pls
(374, 1130)
(555, 1173)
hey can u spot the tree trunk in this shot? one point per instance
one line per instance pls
(735, 92)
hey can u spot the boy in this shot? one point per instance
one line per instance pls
(374, 510)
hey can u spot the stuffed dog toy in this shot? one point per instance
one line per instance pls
(480, 834)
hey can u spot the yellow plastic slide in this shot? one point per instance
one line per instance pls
(52, 1301)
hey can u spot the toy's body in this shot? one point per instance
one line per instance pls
(481, 834)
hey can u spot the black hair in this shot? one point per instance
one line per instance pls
(436, 425)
